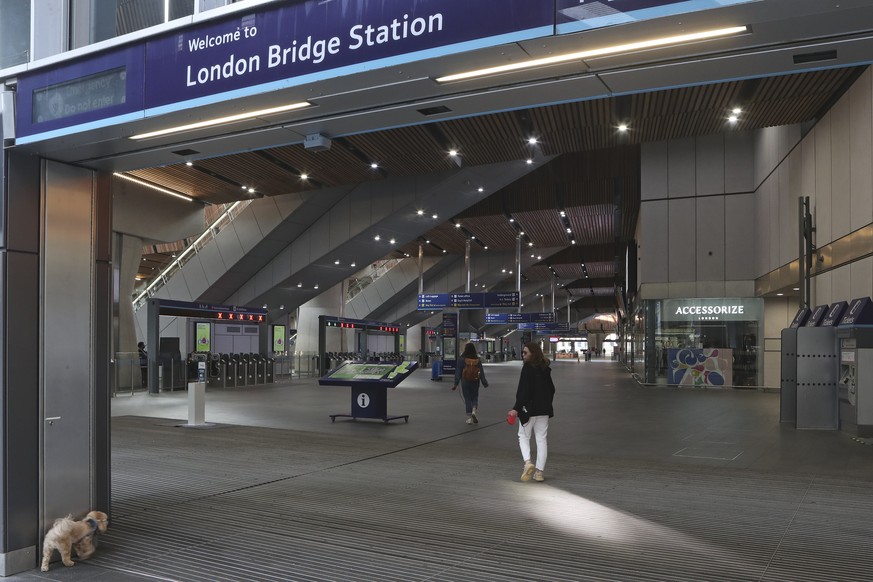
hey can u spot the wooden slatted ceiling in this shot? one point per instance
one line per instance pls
(488, 139)
(404, 151)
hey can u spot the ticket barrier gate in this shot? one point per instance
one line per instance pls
(216, 372)
(269, 375)
(259, 366)
(250, 365)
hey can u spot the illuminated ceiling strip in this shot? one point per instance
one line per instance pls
(153, 186)
(609, 50)
(222, 120)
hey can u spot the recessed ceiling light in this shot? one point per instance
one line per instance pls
(481, 189)
(457, 225)
(521, 233)
(252, 190)
(797, 288)
(336, 262)
(529, 161)
(569, 231)
(316, 286)
(352, 265)
(374, 165)
(222, 120)
(453, 153)
(419, 212)
(736, 111)
(530, 244)
(733, 118)
(189, 163)
(532, 141)
(392, 241)
(377, 237)
(304, 176)
(434, 216)
(779, 294)
(622, 127)
(512, 220)
(299, 284)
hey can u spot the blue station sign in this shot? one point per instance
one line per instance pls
(467, 300)
(538, 317)
(554, 327)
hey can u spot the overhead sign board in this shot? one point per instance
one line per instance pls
(467, 300)
(554, 327)
(541, 317)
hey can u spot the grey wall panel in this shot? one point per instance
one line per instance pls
(300, 255)
(841, 284)
(841, 123)
(739, 162)
(381, 202)
(861, 278)
(266, 213)
(359, 211)
(67, 384)
(142, 212)
(213, 266)
(339, 223)
(229, 247)
(681, 167)
(739, 237)
(19, 227)
(710, 161)
(247, 229)
(194, 276)
(807, 169)
(823, 170)
(281, 264)
(860, 97)
(682, 236)
(654, 244)
(288, 203)
(653, 170)
(178, 289)
(789, 191)
(320, 238)
(710, 238)
(263, 281)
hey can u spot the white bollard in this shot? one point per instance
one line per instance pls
(196, 403)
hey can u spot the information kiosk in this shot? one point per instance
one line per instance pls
(369, 383)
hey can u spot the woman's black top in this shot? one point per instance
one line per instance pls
(535, 391)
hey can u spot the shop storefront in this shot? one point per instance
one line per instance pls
(711, 342)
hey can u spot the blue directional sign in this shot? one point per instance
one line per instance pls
(433, 301)
(554, 327)
(543, 317)
(467, 300)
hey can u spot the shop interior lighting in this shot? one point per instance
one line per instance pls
(659, 42)
(222, 120)
(153, 186)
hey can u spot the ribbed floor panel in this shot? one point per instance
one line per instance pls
(242, 504)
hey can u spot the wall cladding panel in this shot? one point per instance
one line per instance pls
(709, 165)
(860, 97)
(654, 243)
(710, 246)
(653, 171)
(823, 187)
(861, 278)
(682, 237)
(739, 235)
(841, 151)
(681, 168)
(739, 164)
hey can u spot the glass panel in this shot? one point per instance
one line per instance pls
(14, 32)
(181, 8)
(97, 20)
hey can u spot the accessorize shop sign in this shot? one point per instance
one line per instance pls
(309, 41)
(727, 309)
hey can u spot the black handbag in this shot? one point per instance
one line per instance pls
(523, 415)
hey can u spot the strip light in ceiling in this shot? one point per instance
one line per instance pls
(222, 120)
(153, 186)
(599, 52)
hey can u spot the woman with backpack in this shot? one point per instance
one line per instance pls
(468, 373)
(533, 408)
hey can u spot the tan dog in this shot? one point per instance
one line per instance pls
(67, 534)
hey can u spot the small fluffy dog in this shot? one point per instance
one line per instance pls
(66, 534)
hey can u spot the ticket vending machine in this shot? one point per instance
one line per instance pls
(788, 368)
(817, 407)
(855, 337)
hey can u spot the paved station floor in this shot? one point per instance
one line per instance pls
(642, 483)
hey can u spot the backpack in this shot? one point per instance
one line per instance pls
(471, 370)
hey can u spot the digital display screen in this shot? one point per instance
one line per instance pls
(81, 95)
(203, 335)
(278, 338)
(353, 371)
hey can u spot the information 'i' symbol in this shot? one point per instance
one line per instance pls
(363, 400)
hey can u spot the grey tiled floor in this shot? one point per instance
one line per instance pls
(643, 484)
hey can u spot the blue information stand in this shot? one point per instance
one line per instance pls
(369, 383)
